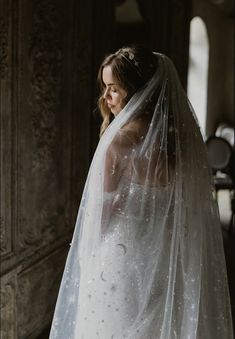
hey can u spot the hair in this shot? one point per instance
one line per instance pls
(132, 67)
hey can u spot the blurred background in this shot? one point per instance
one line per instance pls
(50, 51)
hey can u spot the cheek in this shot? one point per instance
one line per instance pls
(123, 100)
(116, 98)
(122, 97)
(121, 103)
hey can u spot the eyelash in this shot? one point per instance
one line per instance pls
(114, 90)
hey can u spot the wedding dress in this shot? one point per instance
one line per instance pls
(146, 260)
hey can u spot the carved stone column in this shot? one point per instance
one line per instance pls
(46, 99)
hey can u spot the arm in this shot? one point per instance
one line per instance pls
(117, 159)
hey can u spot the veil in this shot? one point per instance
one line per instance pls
(146, 258)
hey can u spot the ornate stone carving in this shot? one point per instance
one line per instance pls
(46, 227)
(5, 126)
(8, 308)
(3, 243)
(4, 66)
(45, 55)
(38, 287)
(45, 130)
(42, 169)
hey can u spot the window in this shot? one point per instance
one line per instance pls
(198, 69)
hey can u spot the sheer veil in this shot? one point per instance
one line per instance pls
(147, 249)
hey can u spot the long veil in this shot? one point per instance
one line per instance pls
(146, 259)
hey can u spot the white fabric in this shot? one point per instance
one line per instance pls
(146, 259)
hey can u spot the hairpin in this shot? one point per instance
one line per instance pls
(129, 56)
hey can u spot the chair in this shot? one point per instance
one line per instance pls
(221, 158)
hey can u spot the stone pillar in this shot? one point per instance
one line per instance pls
(46, 99)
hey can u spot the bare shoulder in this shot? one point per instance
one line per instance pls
(124, 138)
(129, 135)
(137, 128)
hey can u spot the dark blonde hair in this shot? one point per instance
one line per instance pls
(132, 67)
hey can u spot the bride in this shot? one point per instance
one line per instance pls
(146, 260)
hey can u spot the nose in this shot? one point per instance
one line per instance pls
(106, 93)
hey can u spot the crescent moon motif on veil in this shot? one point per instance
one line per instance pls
(123, 247)
(101, 276)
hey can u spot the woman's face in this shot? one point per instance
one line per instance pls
(114, 94)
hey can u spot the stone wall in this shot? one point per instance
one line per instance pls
(162, 24)
(46, 102)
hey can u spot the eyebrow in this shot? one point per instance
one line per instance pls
(111, 84)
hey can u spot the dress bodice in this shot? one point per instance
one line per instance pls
(136, 200)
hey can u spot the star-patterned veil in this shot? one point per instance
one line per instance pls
(146, 260)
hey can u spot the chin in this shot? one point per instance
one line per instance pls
(115, 111)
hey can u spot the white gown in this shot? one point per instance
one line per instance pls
(110, 287)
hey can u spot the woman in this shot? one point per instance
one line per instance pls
(146, 260)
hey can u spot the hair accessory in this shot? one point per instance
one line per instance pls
(130, 57)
